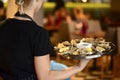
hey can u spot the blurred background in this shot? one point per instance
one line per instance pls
(75, 19)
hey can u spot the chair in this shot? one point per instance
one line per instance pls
(64, 32)
(58, 66)
(118, 39)
(116, 66)
(94, 29)
(111, 34)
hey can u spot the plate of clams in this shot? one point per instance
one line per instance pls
(84, 48)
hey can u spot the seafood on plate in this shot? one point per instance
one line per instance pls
(82, 47)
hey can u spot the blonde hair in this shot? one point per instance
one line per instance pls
(24, 4)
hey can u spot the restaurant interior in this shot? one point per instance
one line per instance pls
(66, 20)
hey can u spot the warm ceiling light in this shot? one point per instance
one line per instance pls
(84, 1)
(4, 1)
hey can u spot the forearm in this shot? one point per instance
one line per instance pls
(63, 74)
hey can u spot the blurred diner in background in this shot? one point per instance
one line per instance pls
(76, 19)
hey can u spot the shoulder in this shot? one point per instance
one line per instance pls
(39, 32)
(40, 29)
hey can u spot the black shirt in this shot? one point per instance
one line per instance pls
(20, 41)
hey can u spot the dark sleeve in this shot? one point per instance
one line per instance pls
(42, 44)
